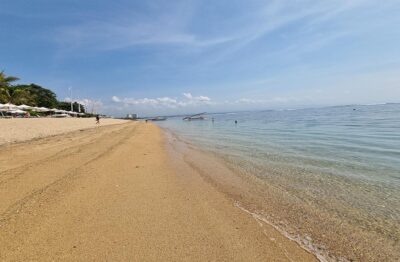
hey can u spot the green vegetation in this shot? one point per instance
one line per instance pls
(31, 95)
(5, 84)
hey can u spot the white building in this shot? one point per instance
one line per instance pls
(132, 116)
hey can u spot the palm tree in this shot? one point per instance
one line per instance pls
(5, 81)
(5, 84)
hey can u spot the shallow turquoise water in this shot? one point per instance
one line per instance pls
(362, 143)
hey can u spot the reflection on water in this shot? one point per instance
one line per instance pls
(344, 162)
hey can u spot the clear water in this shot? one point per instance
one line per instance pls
(344, 161)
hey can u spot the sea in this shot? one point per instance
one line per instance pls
(327, 177)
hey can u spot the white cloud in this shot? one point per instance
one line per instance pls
(187, 95)
(196, 98)
(165, 102)
(115, 99)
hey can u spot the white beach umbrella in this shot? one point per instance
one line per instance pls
(41, 109)
(56, 110)
(44, 109)
(9, 106)
(17, 111)
(24, 107)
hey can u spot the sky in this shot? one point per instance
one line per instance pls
(162, 57)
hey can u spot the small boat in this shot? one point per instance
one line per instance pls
(195, 117)
(158, 118)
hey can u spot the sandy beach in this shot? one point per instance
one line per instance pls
(22, 129)
(117, 193)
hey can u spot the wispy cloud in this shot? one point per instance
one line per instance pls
(109, 36)
(172, 26)
(130, 29)
(280, 31)
(315, 24)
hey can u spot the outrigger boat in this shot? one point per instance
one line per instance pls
(158, 118)
(195, 117)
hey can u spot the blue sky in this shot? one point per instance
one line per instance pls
(167, 57)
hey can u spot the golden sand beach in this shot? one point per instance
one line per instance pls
(115, 193)
(22, 129)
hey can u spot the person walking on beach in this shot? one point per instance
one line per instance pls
(97, 119)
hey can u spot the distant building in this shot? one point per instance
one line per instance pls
(131, 116)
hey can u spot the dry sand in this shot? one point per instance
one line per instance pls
(22, 129)
(114, 194)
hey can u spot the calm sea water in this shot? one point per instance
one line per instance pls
(344, 160)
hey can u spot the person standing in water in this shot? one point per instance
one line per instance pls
(235, 122)
(97, 119)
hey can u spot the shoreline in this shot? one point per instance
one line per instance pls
(236, 188)
(116, 193)
(328, 238)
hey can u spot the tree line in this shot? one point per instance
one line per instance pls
(31, 95)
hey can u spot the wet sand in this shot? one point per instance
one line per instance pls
(117, 193)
